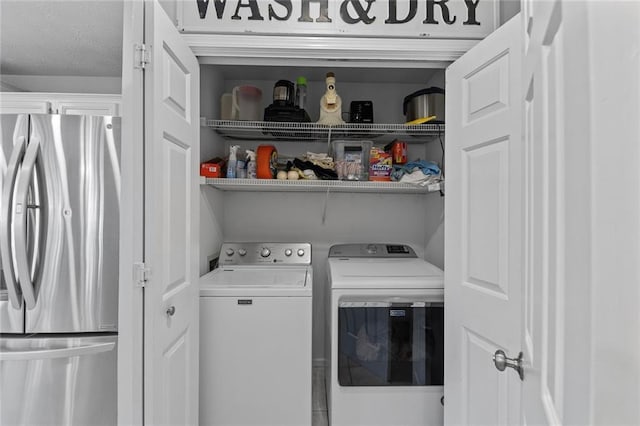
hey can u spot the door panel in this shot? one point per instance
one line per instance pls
(486, 90)
(177, 365)
(171, 222)
(177, 159)
(484, 227)
(482, 375)
(483, 230)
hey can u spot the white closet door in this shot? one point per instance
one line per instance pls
(483, 229)
(171, 224)
(581, 339)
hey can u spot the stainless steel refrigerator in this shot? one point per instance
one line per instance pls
(59, 237)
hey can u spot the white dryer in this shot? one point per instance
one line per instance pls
(386, 337)
(255, 336)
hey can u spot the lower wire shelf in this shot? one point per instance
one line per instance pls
(319, 186)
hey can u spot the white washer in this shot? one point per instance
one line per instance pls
(386, 334)
(255, 336)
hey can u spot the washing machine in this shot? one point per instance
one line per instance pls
(386, 337)
(255, 336)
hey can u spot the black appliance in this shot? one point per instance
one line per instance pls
(283, 107)
(361, 112)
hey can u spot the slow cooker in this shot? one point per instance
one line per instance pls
(424, 103)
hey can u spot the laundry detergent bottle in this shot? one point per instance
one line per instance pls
(233, 160)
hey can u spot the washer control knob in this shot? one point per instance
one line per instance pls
(229, 252)
(300, 252)
(265, 252)
(288, 252)
(242, 252)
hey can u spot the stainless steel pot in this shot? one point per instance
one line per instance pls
(424, 103)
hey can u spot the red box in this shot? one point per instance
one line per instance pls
(213, 168)
(379, 165)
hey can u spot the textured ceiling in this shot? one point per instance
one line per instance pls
(61, 37)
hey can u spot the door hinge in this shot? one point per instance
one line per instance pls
(141, 274)
(142, 56)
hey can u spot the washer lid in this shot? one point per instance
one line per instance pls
(384, 273)
(255, 277)
(256, 281)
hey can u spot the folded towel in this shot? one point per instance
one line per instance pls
(419, 178)
(424, 168)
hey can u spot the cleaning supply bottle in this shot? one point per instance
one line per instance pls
(232, 163)
(241, 166)
(251, 164)
(301, 92)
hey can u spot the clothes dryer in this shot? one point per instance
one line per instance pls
(386, 334)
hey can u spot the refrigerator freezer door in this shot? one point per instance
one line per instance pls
(14, 130)
(70, 381)
(74, 258)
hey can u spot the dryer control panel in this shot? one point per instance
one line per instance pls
(372, 250)
(265, 254)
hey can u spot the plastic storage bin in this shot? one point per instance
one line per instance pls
(352, 159)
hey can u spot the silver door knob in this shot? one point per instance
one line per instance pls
(501, 362)
(171, 310)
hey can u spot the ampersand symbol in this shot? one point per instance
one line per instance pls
(363, 14)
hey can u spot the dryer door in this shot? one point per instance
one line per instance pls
(390, 343)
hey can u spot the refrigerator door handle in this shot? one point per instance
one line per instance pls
(20, 216)
(68, 352)
(13, 289)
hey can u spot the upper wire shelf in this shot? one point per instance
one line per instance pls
(290, 131)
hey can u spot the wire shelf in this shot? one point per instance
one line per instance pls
(289, 131)
(318, 186)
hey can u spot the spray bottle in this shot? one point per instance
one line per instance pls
(231, 164)
(251, 164)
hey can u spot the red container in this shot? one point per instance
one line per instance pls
(213, 168)
(399, 152)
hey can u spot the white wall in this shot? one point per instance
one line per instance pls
(614, 67)
(64, 84)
